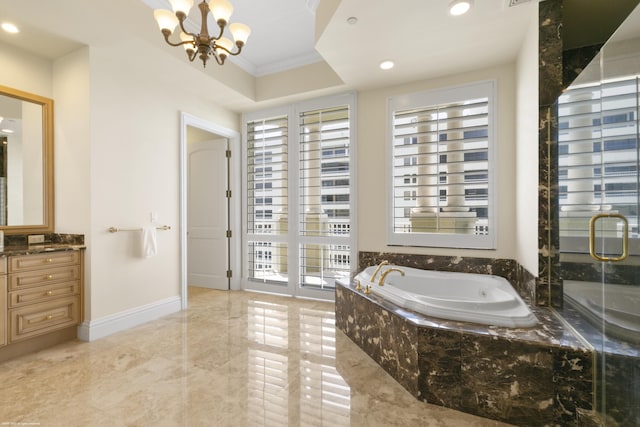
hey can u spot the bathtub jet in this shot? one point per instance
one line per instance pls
(467, 297)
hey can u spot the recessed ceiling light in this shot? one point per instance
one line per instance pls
(386, 64)
(6, 130)
(459, 7)
(10, 28)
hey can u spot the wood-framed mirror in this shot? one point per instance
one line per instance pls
(26, 162)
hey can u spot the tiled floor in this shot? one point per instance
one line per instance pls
(232, 359)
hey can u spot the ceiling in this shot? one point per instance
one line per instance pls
(421, 37)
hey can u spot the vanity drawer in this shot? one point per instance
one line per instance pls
(51, 259)
(37, 319)
(3, 310)
(33, 278)
(3, 265)
(43, 293)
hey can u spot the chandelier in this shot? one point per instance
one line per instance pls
(202, 44)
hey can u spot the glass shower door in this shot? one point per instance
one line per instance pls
(599, 178)
(616, 307)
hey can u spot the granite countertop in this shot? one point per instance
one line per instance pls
(37, 249)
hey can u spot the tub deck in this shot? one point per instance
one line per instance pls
(509, 374)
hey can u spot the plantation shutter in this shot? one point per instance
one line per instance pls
(324, 191)
(267, 198)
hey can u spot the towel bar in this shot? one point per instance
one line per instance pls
(116, 229)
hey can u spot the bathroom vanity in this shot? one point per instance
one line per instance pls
(41, 296)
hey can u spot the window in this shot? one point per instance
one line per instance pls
(299, 181)
(441, 151)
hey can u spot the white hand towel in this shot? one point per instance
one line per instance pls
(149, 241)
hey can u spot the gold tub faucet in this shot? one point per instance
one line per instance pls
(386, 273)
(377, 270)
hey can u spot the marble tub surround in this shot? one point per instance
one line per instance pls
(511, 270)
(232, 359)
(511, 375)
(621, 377)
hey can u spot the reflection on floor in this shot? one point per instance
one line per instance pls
(232, 359)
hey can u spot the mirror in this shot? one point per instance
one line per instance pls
(26, 162)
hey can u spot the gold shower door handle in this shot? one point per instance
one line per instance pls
(592, 238)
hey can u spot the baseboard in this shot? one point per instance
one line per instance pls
(105, 326)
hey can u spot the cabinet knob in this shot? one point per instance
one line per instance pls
(50, 276)
(49, 293)
(49, 317)
(49, 260)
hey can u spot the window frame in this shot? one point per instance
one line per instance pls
(440, 97)
(292, 239)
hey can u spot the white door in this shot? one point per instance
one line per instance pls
(207, 214)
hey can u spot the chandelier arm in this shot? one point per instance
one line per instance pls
(166, 34)
(228, 51)
(238, 52)
(184, 30)
(221, 25)
(218, 60)
(191, 54)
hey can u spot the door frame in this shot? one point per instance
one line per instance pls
(187, 119)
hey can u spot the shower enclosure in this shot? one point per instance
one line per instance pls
(598, 177)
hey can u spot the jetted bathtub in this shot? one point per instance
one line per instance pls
(477, 298)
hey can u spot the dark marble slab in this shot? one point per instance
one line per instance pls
(616, 371)
(550, 50)
(620, 274)
(574, 62)
(507, 379)
(39, 249)
(389, 340)
(619, 380)
(514, 375)
(49, 238)
(548, 289)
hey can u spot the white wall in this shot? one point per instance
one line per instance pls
(372, 180)
(527, 150)
(25, 71)
(72, 146)
(134, 159)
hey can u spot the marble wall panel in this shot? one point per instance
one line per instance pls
(550, 50)
(574, 62)
(549, 287)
